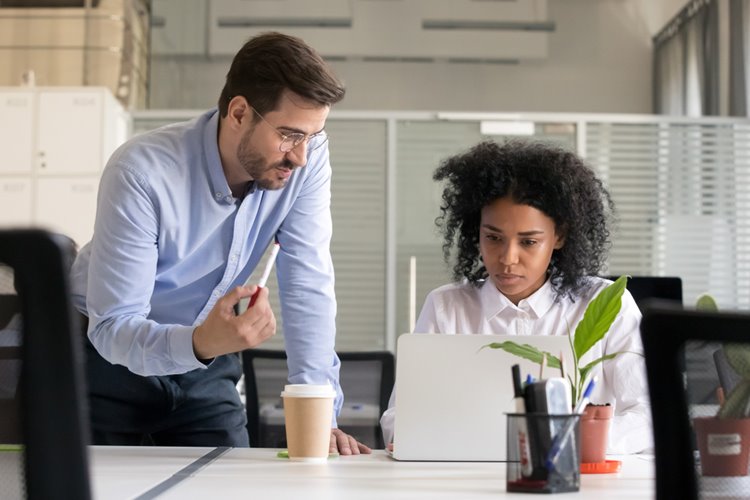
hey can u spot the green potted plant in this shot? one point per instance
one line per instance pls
(593, 327)
(724, 440)
(598, 317)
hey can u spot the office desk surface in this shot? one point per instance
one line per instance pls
(186, 473)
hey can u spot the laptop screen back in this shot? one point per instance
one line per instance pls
(452, 394)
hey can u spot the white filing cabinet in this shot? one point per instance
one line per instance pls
(55, 143)
(15, 201)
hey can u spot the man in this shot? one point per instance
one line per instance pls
(184, 215)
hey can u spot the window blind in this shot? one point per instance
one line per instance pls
(682, 191)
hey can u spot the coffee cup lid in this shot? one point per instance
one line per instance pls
(308, 391)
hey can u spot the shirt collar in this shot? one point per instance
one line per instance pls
(494, 302)
(219, 185)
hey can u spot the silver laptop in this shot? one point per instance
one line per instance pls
(452, 395)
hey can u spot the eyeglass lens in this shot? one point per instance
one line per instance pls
(292, 141)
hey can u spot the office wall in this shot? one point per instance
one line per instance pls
(659, 12)
(599, 61)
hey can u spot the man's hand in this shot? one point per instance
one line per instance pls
(344, 444)
(223, 332)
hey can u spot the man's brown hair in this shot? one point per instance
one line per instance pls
(272, 62)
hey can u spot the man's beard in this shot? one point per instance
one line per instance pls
(255, 165)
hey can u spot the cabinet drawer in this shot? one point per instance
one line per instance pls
(15, 201)
(68, 205)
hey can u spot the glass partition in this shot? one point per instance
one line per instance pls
(681, 189)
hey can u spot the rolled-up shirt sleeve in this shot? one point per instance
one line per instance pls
(121, 275)
(306, 282)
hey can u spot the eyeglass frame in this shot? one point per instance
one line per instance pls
(295, 138)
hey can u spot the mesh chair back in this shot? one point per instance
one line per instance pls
(668, 333)
(53, 462)
(366, 378)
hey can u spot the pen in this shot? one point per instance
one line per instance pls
(523, 435)
(517, 387)
(567, 430)
(266, 273)
(586, 396)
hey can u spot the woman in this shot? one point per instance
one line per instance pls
(528, 225)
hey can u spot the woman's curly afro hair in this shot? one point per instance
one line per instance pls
(541, 175)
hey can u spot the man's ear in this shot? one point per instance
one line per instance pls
(238, 110)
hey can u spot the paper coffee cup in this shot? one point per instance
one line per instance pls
(308, 414)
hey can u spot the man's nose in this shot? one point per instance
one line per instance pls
(298, 155)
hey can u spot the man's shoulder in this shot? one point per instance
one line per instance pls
(169, 145)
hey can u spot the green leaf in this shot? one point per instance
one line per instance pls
(738, 356)
(525, 351)
(599, 316)
(737, 404)
(586, 369)
(706, 303)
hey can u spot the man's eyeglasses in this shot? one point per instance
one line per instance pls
(294, 139)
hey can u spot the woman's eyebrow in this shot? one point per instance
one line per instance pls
(531, 232)
(492, 228)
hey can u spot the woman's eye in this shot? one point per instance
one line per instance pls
(529, 243)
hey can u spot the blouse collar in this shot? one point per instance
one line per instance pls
(537, 304)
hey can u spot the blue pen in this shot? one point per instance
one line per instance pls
(527, 393)
(562, 437)
(586, 396)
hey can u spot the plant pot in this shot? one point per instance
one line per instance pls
(595, 432)
(724, 445)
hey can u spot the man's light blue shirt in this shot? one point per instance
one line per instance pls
(170, 240)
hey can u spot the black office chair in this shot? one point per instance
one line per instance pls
(54, 418)
(667, 332)
(9, 307)
(10, 362)
(370, 374)
(698, 358)
(643, 288)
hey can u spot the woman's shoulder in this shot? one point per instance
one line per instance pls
(455, 291)
(451, 308)
(591, 286)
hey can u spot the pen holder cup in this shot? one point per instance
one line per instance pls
(544, 453)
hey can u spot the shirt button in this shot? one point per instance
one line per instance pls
(218, 196)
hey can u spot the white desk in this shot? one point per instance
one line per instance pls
(125, 472)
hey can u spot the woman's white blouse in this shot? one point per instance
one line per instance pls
(462, 308)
